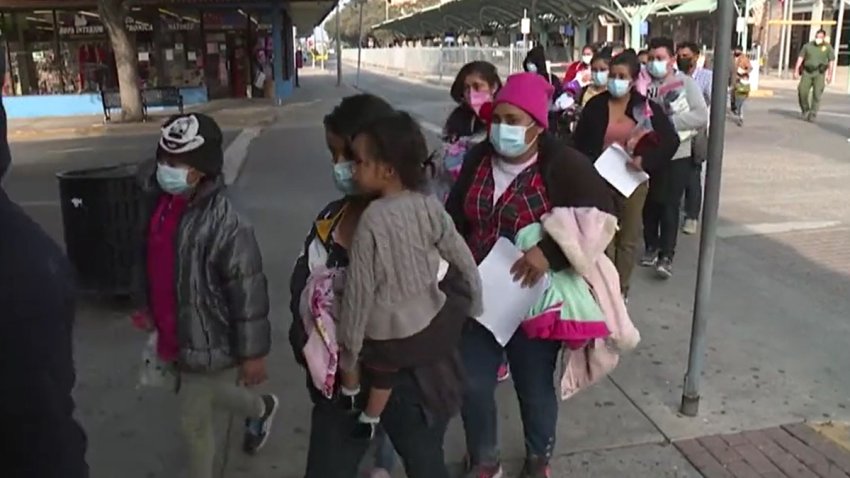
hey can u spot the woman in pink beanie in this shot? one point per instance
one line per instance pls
(505, 184)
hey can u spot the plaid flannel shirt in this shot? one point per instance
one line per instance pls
(523, 203)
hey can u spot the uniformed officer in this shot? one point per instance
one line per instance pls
(817, 60)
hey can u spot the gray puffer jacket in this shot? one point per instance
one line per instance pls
(222, 293)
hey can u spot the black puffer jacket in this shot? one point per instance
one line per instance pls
(222, 292)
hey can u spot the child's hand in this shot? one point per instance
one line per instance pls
(253, 372)
(530, 268)
(142, 320)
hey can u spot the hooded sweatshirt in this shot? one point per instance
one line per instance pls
(682, 100)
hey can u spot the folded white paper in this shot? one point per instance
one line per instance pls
(612, 165)
(506, 303)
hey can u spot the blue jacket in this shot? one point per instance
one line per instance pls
(39, 435)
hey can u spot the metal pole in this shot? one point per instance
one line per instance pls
(766, 38)
(837, 39)
(708, 239)
(782, 29)
(359, 44)
(788, 35)
(338, 45)
(745, 35)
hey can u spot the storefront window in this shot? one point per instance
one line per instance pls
(69, 51)
(33, 65)
(180, 47)
(85, 51)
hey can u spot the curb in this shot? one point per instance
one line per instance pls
(836, 432)
(762, 93)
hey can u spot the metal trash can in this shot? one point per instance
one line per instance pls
(101, 211)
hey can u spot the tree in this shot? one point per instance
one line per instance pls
(113, 14)
(374, 12)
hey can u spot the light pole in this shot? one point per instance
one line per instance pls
(708, 238)
(359, 41)
(338, 46)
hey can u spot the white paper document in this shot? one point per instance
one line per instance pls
(612, 165)
(506, 303)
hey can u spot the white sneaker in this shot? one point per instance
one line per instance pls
(690, 227)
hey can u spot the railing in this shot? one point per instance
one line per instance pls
(441, 64)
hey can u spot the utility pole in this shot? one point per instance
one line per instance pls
(745, 34)
(708, 238)
(338, 45)
(359, 41)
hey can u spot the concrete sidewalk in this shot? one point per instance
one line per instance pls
(230, 113)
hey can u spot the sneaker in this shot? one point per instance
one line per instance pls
(664, 268)
(504, 372)
(482, 471)
(257, 430)
(690, 226)
(739, 120)
(650, 257)
(536, 468)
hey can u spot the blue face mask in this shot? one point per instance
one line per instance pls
(600, 78)
(657, 68)
(344, 177)
(172, 180)
(618, 87)
(509, 140)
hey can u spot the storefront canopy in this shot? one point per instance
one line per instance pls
(306, 14)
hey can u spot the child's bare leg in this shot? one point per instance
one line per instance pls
(350, 379)
(378, 398)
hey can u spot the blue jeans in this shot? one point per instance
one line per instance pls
(532, 365)
(739, 105)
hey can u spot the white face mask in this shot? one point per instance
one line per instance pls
(586, 59)
(818, 41)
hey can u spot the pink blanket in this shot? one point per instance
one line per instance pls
(584, 234)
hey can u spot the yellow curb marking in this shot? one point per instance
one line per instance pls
(836, 432)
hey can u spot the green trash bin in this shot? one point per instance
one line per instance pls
(101, 210)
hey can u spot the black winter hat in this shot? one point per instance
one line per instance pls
(195, 139)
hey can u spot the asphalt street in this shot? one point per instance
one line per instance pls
(32, 180)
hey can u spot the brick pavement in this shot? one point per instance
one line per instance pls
(792, 451)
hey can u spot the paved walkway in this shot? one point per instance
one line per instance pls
(778, 325)
(793, 451)
(230, 113)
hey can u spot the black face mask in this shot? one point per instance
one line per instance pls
(737, 53)
(684, 64)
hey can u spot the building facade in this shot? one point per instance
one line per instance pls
(208, 48)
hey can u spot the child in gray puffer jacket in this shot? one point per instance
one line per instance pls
(201, 287)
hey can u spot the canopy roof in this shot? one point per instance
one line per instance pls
(479, 15)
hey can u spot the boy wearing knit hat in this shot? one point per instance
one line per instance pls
(202, 291)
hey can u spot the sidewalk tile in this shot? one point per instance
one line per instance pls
(791, 451)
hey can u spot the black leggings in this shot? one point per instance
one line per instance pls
(416, 434)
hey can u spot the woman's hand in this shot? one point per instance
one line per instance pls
(253, 372)
(635, 164)
(531, 267)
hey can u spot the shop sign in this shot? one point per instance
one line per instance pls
(83, 27)
(180, 26)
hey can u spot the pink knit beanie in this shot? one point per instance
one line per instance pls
(529, 92)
